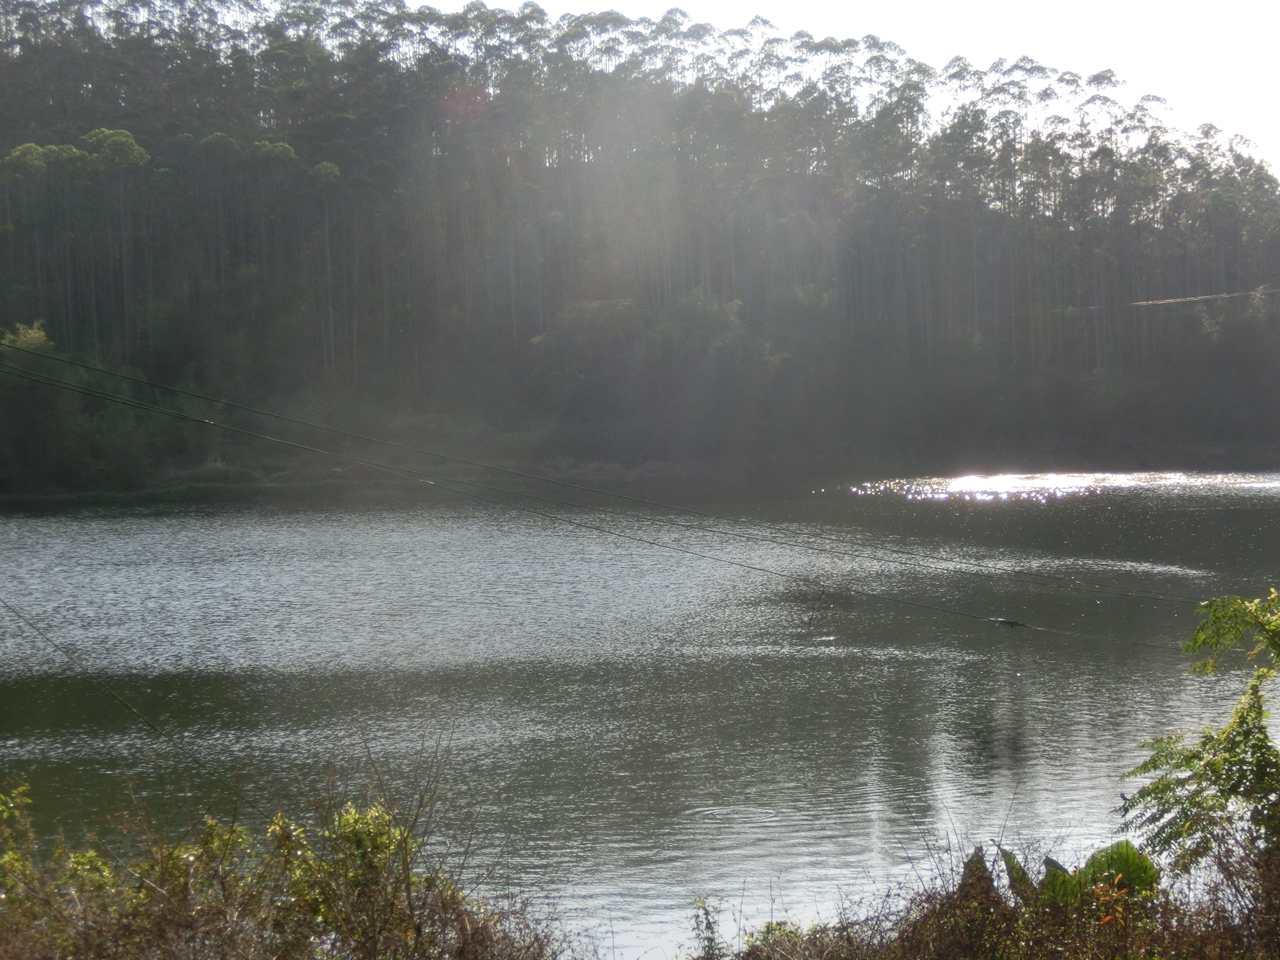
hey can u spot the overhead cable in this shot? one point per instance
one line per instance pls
(449, 484)
(79, 665)
(976, 568)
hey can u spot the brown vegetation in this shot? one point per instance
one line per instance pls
(974, 917)
(358, 883)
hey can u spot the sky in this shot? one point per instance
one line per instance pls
(1213, 63)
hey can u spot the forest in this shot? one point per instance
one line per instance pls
(602, 240)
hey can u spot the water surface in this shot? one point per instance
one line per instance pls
(811, 708)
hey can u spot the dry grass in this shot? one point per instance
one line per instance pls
(357, 880)
(971, 917)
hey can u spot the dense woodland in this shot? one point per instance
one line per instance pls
(619, 241)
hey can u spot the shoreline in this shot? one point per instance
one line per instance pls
(674, 482)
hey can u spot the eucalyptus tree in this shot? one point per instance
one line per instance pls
(352, 197)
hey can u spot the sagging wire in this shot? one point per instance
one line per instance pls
(80, 665)
(918, 559)
(449, 484)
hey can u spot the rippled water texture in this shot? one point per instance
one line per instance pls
(631, 724)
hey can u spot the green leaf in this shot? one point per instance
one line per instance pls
(1020, 882)
(1059, 886)
(1121, 865)
(1213, 794)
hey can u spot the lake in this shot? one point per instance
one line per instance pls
(788, 707)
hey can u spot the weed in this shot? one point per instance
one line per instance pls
(356, 883)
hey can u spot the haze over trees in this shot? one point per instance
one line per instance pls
(629, 241)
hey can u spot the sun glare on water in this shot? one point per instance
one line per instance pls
(1046, 486)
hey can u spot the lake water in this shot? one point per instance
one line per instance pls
(635, 722)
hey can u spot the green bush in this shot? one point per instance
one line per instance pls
(357, 885)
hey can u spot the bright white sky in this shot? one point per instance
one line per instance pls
(1217, 63)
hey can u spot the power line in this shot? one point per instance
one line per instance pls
(1091, 636)
(84, 669)
(448, 484)
(451, 484)
(1212, 296)
(976, 568)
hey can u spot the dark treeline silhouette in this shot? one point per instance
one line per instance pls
(632, 240)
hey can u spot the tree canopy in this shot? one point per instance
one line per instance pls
(655, 239)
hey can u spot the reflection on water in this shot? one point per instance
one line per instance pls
(1043, 486)
(631, 726)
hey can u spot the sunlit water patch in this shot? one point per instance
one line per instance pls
(1046, 486)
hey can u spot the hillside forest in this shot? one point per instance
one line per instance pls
(596, 240)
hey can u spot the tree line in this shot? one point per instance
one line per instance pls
(648, 240)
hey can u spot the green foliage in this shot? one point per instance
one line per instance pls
(114, 150)
(708, 944)
(1116, 870)
(358, 887)
(1067, 915)
(1213, 806)
(326, 174)
(26, 337)
(42, 433)
(1218, 798)
(1120, 866)
(775, 935)
(640, 239)
(53, 439)
(1227, 623)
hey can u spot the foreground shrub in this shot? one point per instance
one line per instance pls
(1212, 807)
(355, 885)
(976, 917)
